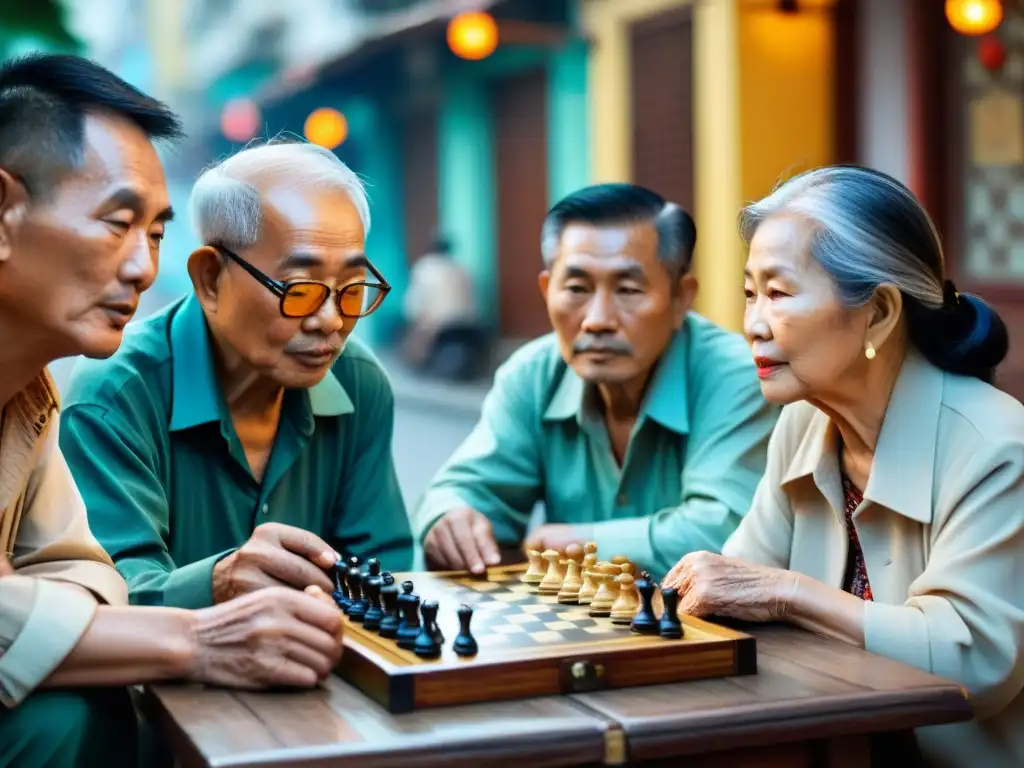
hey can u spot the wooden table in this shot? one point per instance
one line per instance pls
(813, 702)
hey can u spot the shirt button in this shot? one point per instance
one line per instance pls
(266, 508)
(621, 499)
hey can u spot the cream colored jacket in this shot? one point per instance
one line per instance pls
(942, 529)
(45, 534)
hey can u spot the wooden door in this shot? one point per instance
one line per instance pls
(661, 52)
(521, 163)
(420, 187)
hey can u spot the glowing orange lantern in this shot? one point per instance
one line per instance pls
(240, 120)
(974, 17)
(326, 127)
(473, 35)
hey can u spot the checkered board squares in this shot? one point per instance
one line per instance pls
(510, 614)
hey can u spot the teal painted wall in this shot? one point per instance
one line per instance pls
(466, 198)
(466, 177)
(380, 165)
(568, 135)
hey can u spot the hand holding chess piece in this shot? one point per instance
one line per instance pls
(462, 540)
(709, 584)
(275, 553)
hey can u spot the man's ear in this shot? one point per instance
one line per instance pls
(685, 294)
(887, 305)
(13, 207)
(543, 280)
(205, 266)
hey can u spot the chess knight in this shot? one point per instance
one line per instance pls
(638, 423)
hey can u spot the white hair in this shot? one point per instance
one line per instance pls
(226, 208)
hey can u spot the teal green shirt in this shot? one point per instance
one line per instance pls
(694, 458)
(152, 447)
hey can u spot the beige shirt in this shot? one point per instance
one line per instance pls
(942, 529)
(45, 535)
(440, 292)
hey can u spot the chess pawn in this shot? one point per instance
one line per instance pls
(670, 627)
(535, 573)
(340, 594)
(589, 586)
(590, 548)
(465, 644)
(619, 560)
(552, 581)
(601, 605)
(409, 623)
(389, 622)
(426, 645)
(357, 607)
(625, 605)
(645, 622)
(570, 590)
(574, 552)
(373, 615)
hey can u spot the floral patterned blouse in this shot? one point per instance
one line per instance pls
(856, 581)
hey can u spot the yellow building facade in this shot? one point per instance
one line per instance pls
(762, 109)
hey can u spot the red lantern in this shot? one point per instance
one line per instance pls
(992, 53)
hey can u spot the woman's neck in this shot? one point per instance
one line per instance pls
(858, 408)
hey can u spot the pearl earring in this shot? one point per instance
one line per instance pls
(869, 351)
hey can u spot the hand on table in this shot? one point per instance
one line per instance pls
(276, 636)
(710, 584)
(462, 540)
(275, 555)
(557, 536)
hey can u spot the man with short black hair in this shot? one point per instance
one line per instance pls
(83, 206)
(639, 424)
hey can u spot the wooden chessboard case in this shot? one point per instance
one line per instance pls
(529, 645)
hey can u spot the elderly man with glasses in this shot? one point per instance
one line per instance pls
(241, 438)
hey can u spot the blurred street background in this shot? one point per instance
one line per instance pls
(468, 118)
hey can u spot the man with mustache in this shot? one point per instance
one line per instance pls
(639, 424)
(83, 208)
(241, 439)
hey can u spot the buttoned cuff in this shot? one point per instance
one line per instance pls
(191, 586)
(629, 536)
(58, 619)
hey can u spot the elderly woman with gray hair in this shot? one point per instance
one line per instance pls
(891, 512)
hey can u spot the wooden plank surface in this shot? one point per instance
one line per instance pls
(338, 725)
(806, 687)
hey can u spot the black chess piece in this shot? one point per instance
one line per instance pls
(371, 592)
(465, 643)
(426, 645)
(389, 622)
(387, 579)
(357, 608)
(409, 626)
(354, 562)
(373, 566)
(645, 622)
(340, 593)
(670, 627)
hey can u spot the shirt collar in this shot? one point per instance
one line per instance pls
(903, 469)
(666, 400)
(197, 396)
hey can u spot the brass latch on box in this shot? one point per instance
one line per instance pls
(582, 676)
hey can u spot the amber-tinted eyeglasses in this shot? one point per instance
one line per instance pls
(302, 298)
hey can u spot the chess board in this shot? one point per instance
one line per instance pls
(529, 645)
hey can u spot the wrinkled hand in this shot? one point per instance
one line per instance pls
(462, 540)
(557, 536)
(275, 555)
(276, 636)
(710, 584)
